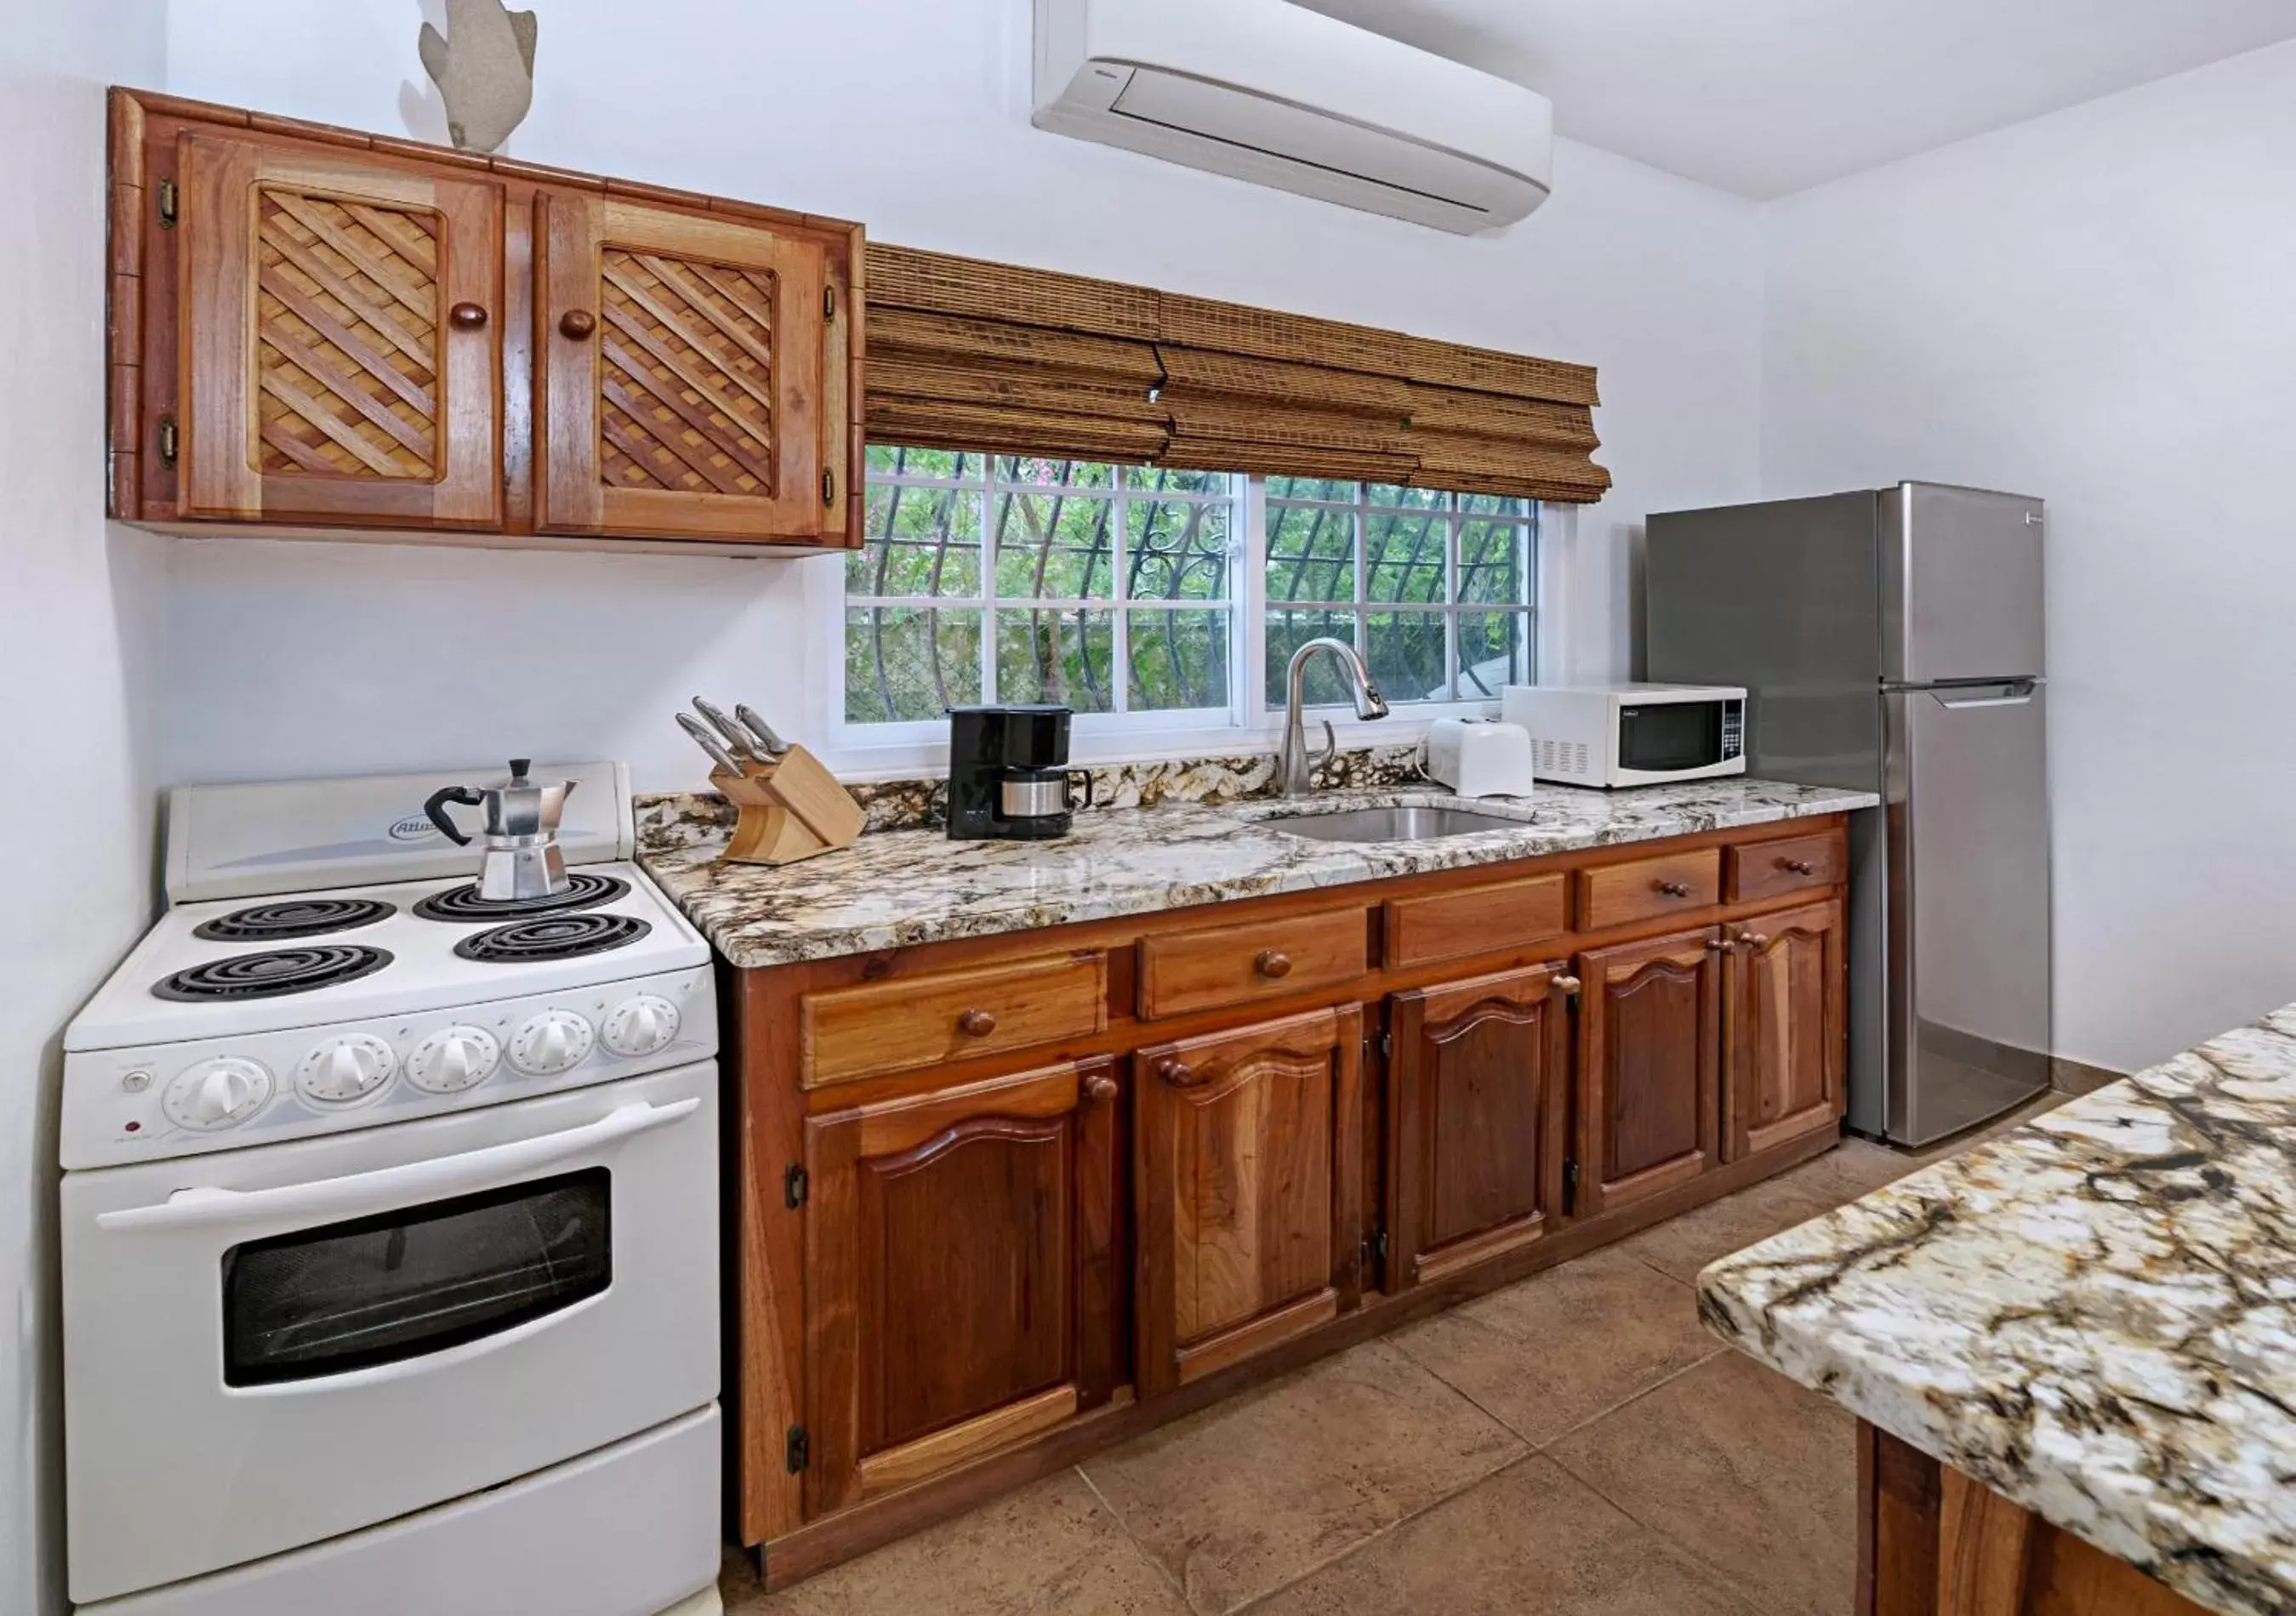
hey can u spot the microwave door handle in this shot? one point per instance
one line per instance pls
(361, 1195)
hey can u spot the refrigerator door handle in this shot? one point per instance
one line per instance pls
(2015, 693)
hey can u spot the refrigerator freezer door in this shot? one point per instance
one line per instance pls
(1968, 905)
(1961, 585)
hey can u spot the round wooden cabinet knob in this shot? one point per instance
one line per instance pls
(976, 1023)
(1674, 888)
(1100, 1087)
(577, 323)
(1272, 964)
(1565, 985)
(1795, 866)
(466, 316)
(1176, 1072)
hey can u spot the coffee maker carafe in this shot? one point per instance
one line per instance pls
(522, 859)
(1008, 774)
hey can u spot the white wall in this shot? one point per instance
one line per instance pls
(2096, 306)
(910, 115)
(80, 613)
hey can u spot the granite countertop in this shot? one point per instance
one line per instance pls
(2095, 1315)
(893, 889)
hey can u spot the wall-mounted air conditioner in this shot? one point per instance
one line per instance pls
(1268, 92)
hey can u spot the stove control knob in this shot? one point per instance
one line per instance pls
(552, 1042)
(345, 1071)
(453, 1060)
(642, 1025)
(217, 1094)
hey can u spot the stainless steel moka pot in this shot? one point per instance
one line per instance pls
(522, 859)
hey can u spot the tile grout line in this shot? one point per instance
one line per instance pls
(1139, 1547)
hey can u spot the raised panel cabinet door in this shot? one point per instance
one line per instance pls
(683, 368)
(341, 331)
(1650, 1037)
(960, 1274)
(1478, 1091)
(1248, 1182)
(1785, 1015)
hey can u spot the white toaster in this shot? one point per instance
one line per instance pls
(1480, 757)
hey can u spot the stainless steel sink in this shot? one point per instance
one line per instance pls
(1388, 823)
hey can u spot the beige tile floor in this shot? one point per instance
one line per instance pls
(1574, 1445)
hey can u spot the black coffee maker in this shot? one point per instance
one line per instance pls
(1008, 774)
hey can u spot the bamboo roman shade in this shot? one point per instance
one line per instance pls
(965, 354)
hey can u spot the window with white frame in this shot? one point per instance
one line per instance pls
(1136, 594)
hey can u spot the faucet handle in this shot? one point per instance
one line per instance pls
(1330, 747)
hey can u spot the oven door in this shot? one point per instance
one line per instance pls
(267, 1347)
(1656, 741)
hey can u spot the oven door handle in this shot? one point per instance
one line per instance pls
(360, 1195)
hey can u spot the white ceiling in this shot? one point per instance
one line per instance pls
(1765, 97)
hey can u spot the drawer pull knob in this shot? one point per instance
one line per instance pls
(1100, 1088)
(577, 323)
(1564, 985)
(1176, 1072)
(1674, 888)
(1796, 866)
(976, 1023)
(466, 316)
(1272, 964)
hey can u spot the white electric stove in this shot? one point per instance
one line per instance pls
(389, 1226)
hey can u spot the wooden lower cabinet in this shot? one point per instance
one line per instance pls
(1785, 1006)
(1249, 1190)
(960, 1274)
(1478, 1097)
(1650, 1056)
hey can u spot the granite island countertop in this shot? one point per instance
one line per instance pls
(895, 889)
(2095, 1315)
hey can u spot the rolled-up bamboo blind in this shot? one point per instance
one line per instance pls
(966, 354)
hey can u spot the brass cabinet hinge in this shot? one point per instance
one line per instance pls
(1570, 1185)
(829, 487)
(797, 1454)
(164, 193)
(829, 302)
(793, 1187)
(168, 440)
(1386, 1046)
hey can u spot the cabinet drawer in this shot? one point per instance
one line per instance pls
(911, 1021)
(1186, 971)
(1619, 894)
(1478, 920)
(1793, 864)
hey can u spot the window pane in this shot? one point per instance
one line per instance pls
(1068, 657)
(1494, 505)
(1494, 653)
(1404, 650)
(1034, 472)
(921, 541)
(926, 463)
(1491, 569)
(1287, 631)
(1056, 546)
(1311, 553)
(1389, 497)
(1166, 479)
(905, 663)
(1180, 658)
(1176, 551)
(1405, 556)
(1312, 487)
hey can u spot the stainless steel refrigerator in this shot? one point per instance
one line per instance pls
(1890, 640)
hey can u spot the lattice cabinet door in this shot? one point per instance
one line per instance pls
(342, 339)
(686, 385)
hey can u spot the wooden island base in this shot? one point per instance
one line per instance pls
(1933, 1542)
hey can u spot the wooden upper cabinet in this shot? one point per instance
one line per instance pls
(961, 1286)
(1248, 1183)
(314, 330)
(342, 339)
(1649, 1057)
(1478, 1092)
(1785, 1011)
(681, 372)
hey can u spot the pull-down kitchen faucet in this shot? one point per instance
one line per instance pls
(1293, 764)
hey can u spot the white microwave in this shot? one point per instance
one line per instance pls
(1630, 734)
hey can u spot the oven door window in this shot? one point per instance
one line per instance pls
(377, 1290)
(1670, 735)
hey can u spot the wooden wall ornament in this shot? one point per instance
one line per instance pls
(484, 68)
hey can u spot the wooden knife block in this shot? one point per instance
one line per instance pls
(791, 808)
